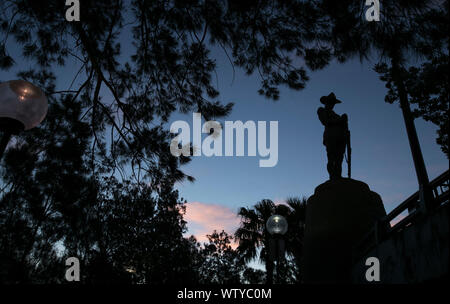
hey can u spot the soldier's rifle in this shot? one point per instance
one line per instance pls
(349, 152)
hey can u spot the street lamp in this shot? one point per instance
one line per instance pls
(23, 106)
(277, 226)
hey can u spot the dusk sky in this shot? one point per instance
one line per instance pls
(380, 150)
(381, 155)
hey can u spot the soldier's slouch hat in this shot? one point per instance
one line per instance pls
(331, 98)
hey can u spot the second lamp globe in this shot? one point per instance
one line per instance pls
(23, 106)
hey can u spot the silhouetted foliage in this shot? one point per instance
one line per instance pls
(253, 276)
(221, 263)
(254, 238)
(427, 85)
(58, 202)
(409, 31)
(96, 179)
(296, 222)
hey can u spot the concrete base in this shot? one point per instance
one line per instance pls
(338, 215)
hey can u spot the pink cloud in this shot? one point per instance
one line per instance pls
(203, 219)
(280, 201)
(397, 219)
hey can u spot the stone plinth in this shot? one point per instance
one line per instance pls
(338, 215)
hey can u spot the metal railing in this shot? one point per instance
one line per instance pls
(383, 228)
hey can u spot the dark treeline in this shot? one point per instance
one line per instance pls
(96, 179)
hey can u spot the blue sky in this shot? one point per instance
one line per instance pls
(381, 155)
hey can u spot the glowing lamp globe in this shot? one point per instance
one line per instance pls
(277, 224)
(23, 106)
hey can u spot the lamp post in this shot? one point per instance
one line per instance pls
(23, 106)
(277, 226)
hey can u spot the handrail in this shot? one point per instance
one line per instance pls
(438, 180)
(411, 203)
(382, 227)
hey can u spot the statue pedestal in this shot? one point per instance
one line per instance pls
(338, 215)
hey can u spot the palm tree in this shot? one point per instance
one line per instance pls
(296, 231)
(252, 234)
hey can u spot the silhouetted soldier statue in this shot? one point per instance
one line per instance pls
(335, 134)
